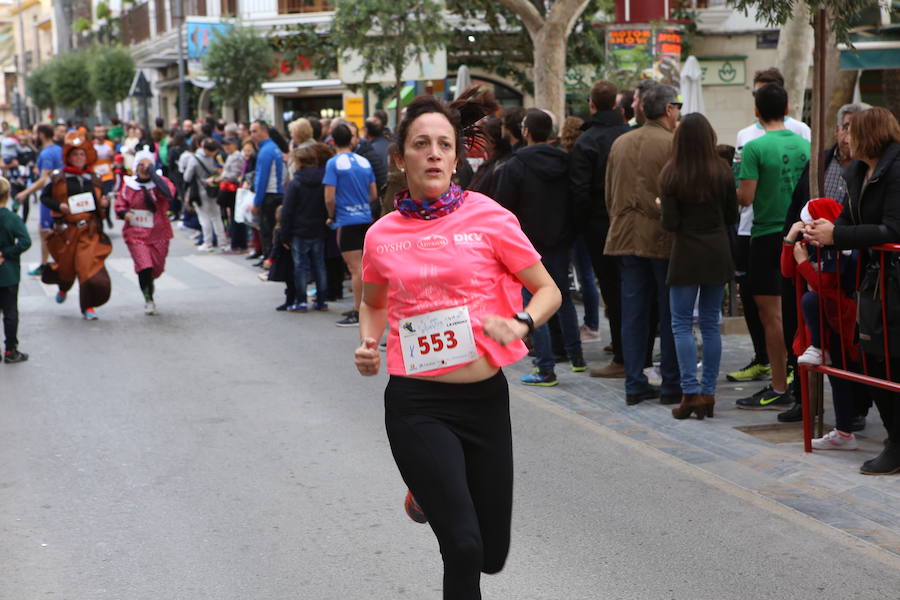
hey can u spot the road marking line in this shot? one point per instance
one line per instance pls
(125, 267)
(773, 506)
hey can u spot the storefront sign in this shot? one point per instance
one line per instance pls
(199, 36)
(630, 46)
(354, 110)
(724, 71)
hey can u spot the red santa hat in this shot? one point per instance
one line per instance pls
(821, 208)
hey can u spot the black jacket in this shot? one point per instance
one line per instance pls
(534, 185)
(379, 169)
(587, 171)
(303, 211)
(871, 216)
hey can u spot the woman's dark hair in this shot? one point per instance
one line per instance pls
(492, 130)
(177, 138)
(695, 173)
(627, 104)
(316, 125)
(279, 140)
(463, 113)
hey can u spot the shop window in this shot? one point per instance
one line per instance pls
(287, 7)
(323, 107)
(229, 8)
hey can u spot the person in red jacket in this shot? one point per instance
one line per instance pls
(824, 299)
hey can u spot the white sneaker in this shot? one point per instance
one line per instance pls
(150, 308)
(204, 248)
(589, 335)
(810, 356)
(653, 376)
(835, 441)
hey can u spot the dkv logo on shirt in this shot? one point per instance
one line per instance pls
(468, 238)
(432, 242)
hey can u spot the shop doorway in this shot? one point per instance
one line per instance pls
(323, 107)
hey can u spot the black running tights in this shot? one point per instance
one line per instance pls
(145, 280)
(453, 446)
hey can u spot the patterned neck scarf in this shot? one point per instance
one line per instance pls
(448, 202)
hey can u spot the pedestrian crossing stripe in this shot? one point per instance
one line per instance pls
(224, 269)
(125, 266)
(179, 275)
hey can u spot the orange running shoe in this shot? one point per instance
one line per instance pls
(413, 510)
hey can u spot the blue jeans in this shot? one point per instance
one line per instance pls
(682, 299)
(641, 278)
(584, 270)
(309, 257)
(557, 264)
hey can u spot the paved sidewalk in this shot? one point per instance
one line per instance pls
(824, 485)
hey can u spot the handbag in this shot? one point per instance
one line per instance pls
(243, 208)
(211, 190)
(869, 302)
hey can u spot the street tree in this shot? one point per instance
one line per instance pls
(549, 34)
(388, 35)
(38, 86)
(70, 82)
(238, 63)
(111, 74)
(507, 48)
(307, 46)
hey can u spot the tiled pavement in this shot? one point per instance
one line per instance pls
(823, 485)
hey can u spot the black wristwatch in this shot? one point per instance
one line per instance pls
(524, 317)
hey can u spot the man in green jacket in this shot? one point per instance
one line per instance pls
(14, 240)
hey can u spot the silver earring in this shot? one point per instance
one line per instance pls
(402, 170)
(454, 171)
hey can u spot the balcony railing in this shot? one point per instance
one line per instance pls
(135, 24)
(287, 7)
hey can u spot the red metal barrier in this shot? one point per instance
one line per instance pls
(864, 378)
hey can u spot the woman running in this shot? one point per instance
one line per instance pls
(445, 270)
(142, 203)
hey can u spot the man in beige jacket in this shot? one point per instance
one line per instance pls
(636, 235)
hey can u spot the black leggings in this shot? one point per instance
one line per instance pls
(145, 280)
(453, 445)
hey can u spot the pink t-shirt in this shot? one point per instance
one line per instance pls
(466, 258)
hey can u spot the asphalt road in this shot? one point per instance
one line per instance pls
(223, 451)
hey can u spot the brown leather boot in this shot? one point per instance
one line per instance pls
(690, 403)
(709, 401)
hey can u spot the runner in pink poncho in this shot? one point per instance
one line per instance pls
(143, 203)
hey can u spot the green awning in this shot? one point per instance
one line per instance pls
(875, 48)
(406, 96)
(870, 59)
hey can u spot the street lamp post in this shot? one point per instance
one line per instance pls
(178, 13)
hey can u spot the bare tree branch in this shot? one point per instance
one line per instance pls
(567, 12)
(528, 13)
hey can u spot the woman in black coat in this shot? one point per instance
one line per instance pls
(872, 217)
(698, 203)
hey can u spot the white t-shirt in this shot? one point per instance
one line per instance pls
(751, 132)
